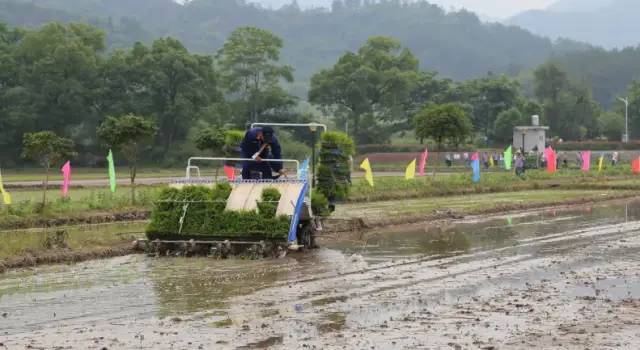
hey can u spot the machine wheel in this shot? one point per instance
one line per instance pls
(306, 234)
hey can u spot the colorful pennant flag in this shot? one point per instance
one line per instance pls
(635, 166)
(230, 172)
(112, 172)
(508, 158)
(600, 162)
(475, 167)
(410, 173)
(423, 162)
(368, 173)
(586, 160)
(66, 178)
(6, 197)
(551, 159)
(491, 163)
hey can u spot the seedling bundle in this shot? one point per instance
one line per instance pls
(198, 212)
(334, 170)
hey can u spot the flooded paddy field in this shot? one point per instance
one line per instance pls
(555, 279)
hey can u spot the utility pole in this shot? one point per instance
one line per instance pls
(626, 118)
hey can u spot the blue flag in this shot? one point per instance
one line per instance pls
(475, 166)
(303, 171)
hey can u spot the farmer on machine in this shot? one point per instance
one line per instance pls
(258, 144)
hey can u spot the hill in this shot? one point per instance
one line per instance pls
(457, 44)
(606, 23)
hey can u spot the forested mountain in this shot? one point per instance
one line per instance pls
(606, 23)
(457, 44)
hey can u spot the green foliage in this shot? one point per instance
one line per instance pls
(485, 98)
(370, 89)
(47, 148)
(249, 64)
(128, 134)
(211, 139)
(447, 122)
(612, 125)
(566, 106)
(206, 215)
(334, 171)
(320, 204)
(504, 124)
(268, 205)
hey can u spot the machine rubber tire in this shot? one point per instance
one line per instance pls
(306, 235)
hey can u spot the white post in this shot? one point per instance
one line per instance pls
(626, 118)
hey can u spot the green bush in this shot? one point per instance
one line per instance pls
(334, 170)
(320, 204)
(205, 215)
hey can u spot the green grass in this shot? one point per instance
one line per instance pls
(387, 188)
(81, 202)
(469, 203)
(36, 174)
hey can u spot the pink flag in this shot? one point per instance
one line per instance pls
(423, 162)
(586, 160)
(230, 171)
(551, 159)
(66, 174)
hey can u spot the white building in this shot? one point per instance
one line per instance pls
(530, 137)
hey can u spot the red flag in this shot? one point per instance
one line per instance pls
(66, 174)
(474, 156)
(551, 159)
(231, 172)
(423, 162)
(635, 166)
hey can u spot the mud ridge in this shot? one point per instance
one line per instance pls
(58, 256)
(96, 218)
(347, 225)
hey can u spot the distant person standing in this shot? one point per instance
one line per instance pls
(519, 164)
(615, 157)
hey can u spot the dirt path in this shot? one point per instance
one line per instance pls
(550, 280)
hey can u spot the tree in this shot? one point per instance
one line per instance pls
(488, 97)
(375, 83)
(569, 108)
(504, 124)
(211, 138)
(612, 125)
(48, 149)
(128, 134)
(251, 73)
(446, 122)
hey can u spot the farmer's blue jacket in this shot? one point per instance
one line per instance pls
(250, 145)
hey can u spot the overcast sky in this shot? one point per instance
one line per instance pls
(491, 8)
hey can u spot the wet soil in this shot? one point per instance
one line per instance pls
(551, 279)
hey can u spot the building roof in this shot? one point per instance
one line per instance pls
(531, 128)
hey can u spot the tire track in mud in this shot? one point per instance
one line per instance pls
(392, 284)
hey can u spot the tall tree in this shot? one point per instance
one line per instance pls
(443, 123)
(48, 149)
(486, 98)
(375, 83)
(251, 73)
(128, 134)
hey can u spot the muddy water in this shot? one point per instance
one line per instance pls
(510, 282)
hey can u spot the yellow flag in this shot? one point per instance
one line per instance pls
(491, 164)
(6, 197)
(600, 161)
(410, 173)
(368, 174)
